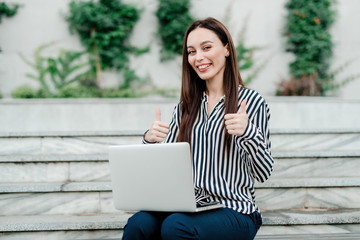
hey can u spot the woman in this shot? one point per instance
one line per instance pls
(227, 128)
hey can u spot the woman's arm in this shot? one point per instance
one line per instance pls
(255, 141)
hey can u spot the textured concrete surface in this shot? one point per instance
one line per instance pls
(118, 221)
(55, 184)
(342, 236)
(42, 115)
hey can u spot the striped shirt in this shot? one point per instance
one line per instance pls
(219, 176)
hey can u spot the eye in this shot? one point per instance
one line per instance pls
(191, 52)
(207, 47)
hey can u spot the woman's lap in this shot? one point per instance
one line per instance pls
(222, 223)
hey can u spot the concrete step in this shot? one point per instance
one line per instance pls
(339, 236)
(315, 140)
(340, 220)
(316, 164)
(335, 236)
(65, 143)
(56, 198)
(105, 226)
(104, 156)
(96, 197)
(94, 167)
(63, 227)
(72, 143)
(73, 168)
(134, 114)
(308, 193)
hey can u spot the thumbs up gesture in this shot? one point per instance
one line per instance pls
(158, 130)
(236, 123)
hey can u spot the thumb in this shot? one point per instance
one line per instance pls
(157, 114)
(243, 106)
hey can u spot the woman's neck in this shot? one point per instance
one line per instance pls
(214, 89)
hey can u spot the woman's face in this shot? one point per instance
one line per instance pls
(206, 54)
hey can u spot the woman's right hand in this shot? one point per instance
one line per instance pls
(158, 130)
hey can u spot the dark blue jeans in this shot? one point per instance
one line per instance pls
(216, 224)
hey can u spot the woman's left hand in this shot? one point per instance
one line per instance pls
(236, 123)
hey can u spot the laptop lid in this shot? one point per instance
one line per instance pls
(152, 177)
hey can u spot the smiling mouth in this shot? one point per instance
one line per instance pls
(203, 67)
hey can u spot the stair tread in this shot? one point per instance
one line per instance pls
(54, 158)
(104, 156)
(300, 217)
(63, 222)
(117, 221)
(55, 187)
(130, 133)
(310, 182)
(316, 154)
(106, 185)
(334, 236)
(140, 132)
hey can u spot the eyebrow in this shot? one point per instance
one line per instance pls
(202, 43)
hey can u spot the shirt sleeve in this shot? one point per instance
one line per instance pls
(173, 127)
(256, 143)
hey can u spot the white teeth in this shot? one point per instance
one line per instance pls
(203, 66)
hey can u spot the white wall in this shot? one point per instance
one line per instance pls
(40, 21)
(346, 37)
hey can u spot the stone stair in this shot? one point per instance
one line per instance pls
(56, 185)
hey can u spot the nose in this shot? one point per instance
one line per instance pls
(199, 56)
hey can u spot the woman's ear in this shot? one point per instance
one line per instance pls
(227, 52)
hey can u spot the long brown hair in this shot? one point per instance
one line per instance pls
(193, 87)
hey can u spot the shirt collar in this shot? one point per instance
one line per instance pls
(205, 98)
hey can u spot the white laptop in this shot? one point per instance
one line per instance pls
(153, 177)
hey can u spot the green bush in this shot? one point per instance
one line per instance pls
(308, 38)
(174, 18)
(119, 93)
(8, 10)
(68, 68)
(104, 28)
(1, 96)
(79, 91)
(55, 73)
(26, 91)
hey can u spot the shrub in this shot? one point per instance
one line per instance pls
(104, 28)
(79, 91)
(308, 38)
(119, 93)
(174, 18)
(25, 91)
(55, 73)
(8, 10)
